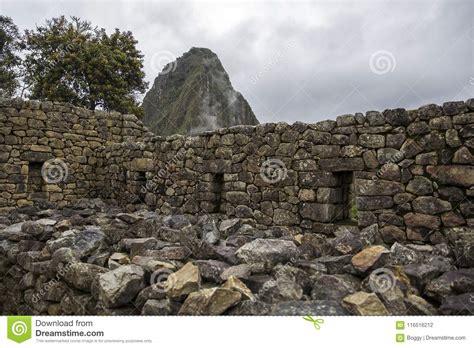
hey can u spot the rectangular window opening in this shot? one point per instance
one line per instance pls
(347, 210)
(36, 184)
(140, 184)
(217, 189)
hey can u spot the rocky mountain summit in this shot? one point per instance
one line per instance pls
(194, 94)
(91, 258)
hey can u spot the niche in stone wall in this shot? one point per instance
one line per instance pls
(137, 183)
(141, 183)
(217, 187)
(36, 184)
(347, 211)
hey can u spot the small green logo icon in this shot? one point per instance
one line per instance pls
(400, 338)
(19, 329)
(400, 325)
(316, 322)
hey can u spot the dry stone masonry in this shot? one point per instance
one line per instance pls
(368, 214)
(32, 133)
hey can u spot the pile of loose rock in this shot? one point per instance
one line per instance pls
(91, 258)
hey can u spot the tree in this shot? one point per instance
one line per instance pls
(72, 61)
(10, 46)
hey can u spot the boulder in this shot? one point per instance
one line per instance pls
(460, 175)
(183, 282)
(458, 305)
(347, 243)
(420, 186)
(420, 274)
(391, 234)
(430, 205)
(241, 271)
(251, 308)
(334, 264)
(422, 220)
(333, 287)
(402, 255)
(397, 117)
(370, 258)
(33, 228)
(236, 284)
(301, 308)
(363, 303)
(159, 307)
(279, 290)
(267, 250)
(213, 301)
(82, 275)
(211, 269)
(416, 305)
(89, 242)
(443, 286)
(120, 286)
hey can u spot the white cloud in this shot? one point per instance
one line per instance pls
(324, 71)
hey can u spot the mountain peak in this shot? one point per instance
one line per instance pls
(194, 94)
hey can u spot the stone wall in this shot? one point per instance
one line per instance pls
(253, 220)
(33, 133)
(410, 172)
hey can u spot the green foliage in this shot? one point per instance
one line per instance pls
(72, 61)
(10, 46)
(354, 213)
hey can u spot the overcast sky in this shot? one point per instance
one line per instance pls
(299, 60)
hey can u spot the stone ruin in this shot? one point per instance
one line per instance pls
(99, 216)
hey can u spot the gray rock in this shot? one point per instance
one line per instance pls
(458, 305)
(397, 117)
(241, 271)
(88, 242)
(300, 308)
(430, 205)
(82, 275)
(267, 250)
(420, 274)
(420, 186)
(443, 286)
(251, 308)
(159, 307)
(334, 264)
(280, 290)
(333, 287)
(120, 286)
(401, 255)
(211, 269)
